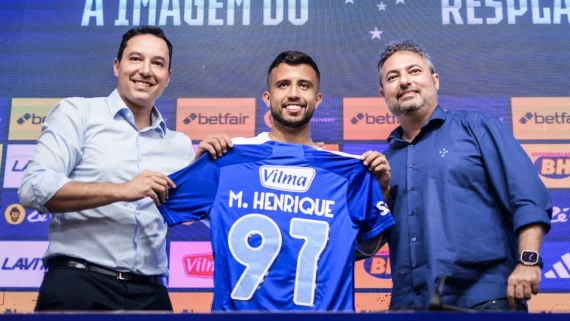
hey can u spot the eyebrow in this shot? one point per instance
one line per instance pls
(407, 67)
(140, 54)
(304, 81)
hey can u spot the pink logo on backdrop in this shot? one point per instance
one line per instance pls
(199, 265)
(17, 157)
(191, 265)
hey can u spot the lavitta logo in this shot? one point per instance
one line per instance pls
(286, 178)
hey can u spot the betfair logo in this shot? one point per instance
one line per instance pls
(220, 119)
(372, 119)
(553, 167)
(36, 120)
(28, 115)
(200, 117)
(537, 118)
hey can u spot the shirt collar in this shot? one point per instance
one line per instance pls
(438, 116)
(117, 106)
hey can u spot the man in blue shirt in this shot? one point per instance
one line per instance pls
(100, 168)
(467, 201)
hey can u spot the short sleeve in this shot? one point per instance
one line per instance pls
(195, 192)
(366, 205)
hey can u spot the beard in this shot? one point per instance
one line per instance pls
(426, 97)
(298, 123)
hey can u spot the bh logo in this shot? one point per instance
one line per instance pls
(553, 167)
(378, 266)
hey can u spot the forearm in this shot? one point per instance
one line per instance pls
(76, 196)
(530, 237)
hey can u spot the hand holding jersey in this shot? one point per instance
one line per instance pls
(378, 164)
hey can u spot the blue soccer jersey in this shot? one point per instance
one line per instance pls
(285, 220)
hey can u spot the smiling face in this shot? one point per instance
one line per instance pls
(408, 84)
(143, 71)
(293, 94)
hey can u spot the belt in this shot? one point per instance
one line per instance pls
(123, 276)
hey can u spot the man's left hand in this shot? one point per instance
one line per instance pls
(378, 164)
(523, 282)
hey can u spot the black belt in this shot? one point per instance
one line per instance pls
(124, 276)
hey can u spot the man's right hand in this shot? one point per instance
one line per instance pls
(216, 145)
(147, 184)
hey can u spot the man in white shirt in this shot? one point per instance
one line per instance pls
(100, 168)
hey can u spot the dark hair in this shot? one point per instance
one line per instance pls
(407, 45)
(293, 58)
(145, 30)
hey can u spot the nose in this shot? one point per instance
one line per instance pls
(404, 80)
(145, 69)
(294, 92)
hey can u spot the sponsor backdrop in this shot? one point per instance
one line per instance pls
(508, 58)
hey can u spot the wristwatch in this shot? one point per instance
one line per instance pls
(530, 258)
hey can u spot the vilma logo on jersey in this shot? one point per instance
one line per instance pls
(286, 178)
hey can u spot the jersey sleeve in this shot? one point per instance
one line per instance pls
(194, 194)
(366, 205)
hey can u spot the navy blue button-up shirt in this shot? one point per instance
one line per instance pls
(459, 192)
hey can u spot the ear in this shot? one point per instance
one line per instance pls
(435, 78)
(266, 98)
(168, 79)
(116, 67)
(319, 100)
(381, 91)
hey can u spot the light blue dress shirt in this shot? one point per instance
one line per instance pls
(95, 140)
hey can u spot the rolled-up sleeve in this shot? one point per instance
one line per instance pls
(513, 175)
(57, 152)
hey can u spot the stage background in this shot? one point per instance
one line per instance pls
(510, 58)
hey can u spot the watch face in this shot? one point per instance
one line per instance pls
(529, 257)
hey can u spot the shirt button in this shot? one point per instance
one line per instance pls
(413, 239)
(412, 188)
(411, 165)
(412, 213)
(411, 145)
